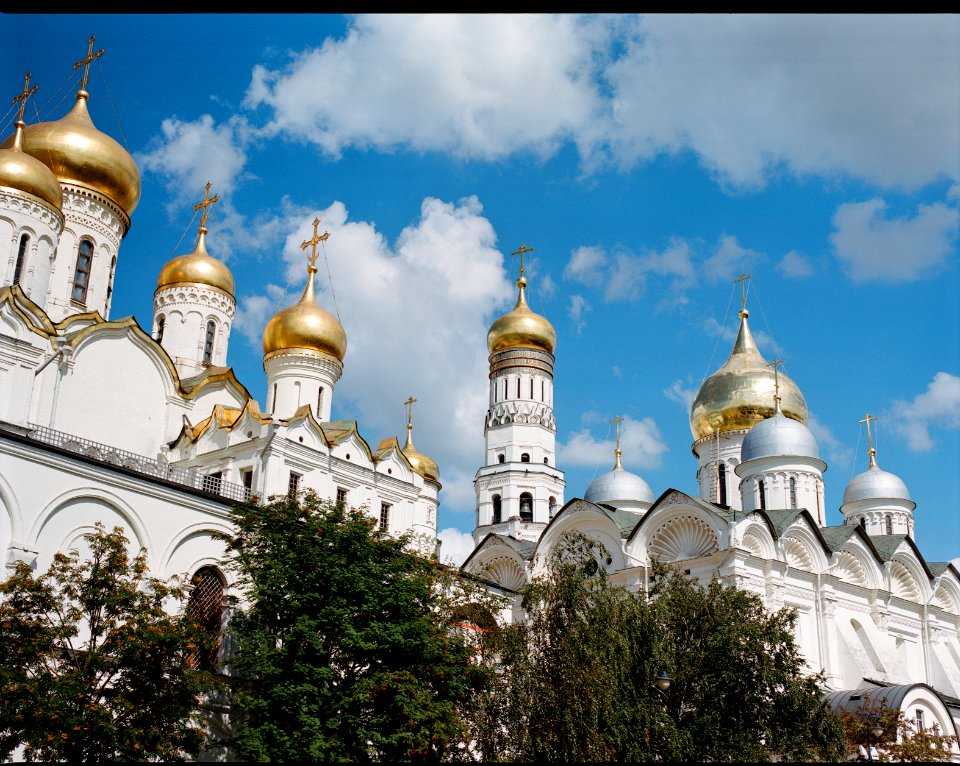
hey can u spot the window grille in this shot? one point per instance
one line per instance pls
(206, 609)
(793, 492)
(81, 276)
(208, 343)
(211, 482)
(21, 256)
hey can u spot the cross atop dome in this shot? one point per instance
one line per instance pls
(312, 243)
(85, 62)
(22, 97)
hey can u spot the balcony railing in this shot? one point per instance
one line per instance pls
(211, 483)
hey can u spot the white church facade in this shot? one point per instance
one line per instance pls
(102, 420)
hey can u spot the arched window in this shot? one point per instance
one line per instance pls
(531, 388)
(722, 483)
(113, 268)
(889, 521)
(206, 609)
(761, 491)
(518, 386)
(501, 457)
(161, 321)
(208, 342)
(319, 402)
(526, 506)
(496, 509)
(863, 522)
(552, 505)
(525, 457)
(81, 275)
(21, 258)
(793, 492)
(546, 461)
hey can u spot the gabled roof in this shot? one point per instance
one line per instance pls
(887, 545)
(388, 445)
(671, 496)
(780, 520)
(34, 317)
(336, 431)
(524, 548)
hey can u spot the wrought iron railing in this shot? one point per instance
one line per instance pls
(211, 483)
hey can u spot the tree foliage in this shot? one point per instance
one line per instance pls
(346, 640)
(901, 740)
(577, 681)
(92, 665)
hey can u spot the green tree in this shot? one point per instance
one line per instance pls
(577, 679)
(900, 740)
(92, 665)
(345, 639)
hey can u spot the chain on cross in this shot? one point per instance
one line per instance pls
(742, 279)
(22, 98)
(776, 379)
(312, 243)
(521, 252)
(205, 204)
(85, 63)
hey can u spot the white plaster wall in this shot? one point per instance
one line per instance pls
(187, 309)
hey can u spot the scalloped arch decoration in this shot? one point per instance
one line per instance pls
(849, 569)
(506, 573)
(945, 600)
(682, 537)
(902, 582)
(752, 543)
(797, 554)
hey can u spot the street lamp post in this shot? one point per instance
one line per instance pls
(876, 731)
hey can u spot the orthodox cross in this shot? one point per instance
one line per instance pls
(312, 243)
(409, 405)
(523, 249)
(872, 452)
(205, 204)
(85, 63)
(617, 420)
(22, 98)
(742, 279)
(776, 380)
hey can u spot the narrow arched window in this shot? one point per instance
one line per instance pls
(518, 386)
(531, 388)
(526, 506)
(762, 493)
(113, 268)
(722, 483)
(496, 509)
(501, 457)
(161, 321)
(206, 609)
(793, 492)
(81, 275)
(863, 522)
(525, 457)
(889, 524)
(319, 402)
(208, 342)
(552, 505)
(504, 388)
(21, 258)
(543, 391)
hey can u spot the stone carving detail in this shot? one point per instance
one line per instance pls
(504, 572)
(674, 498)
(681, 538)
(535, 413)
(880, 619)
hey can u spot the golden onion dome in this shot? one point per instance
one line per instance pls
(305, 325)
(423, 465)
(79, 154)
(198, 267)
(521, 328)
(20, 171)
(741, 393)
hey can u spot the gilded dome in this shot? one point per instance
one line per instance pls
(79, 154)
(305, 325)
(20, 171)
(521, 328)
(740, 394)
(197, 267)
(423, 465)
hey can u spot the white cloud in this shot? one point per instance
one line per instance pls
(831, 448)
(455, 546)
(190, 154)
(937, 407)
(640, 442)
(579, 307)
(873, 247)
(795, 265)
(682, 392)
(474, 85)
(730, 259)
(587, 265)
(871, 96)
(867, 96)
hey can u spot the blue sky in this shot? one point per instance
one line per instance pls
(648, 160)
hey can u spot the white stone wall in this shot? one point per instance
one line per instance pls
(187, 310)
